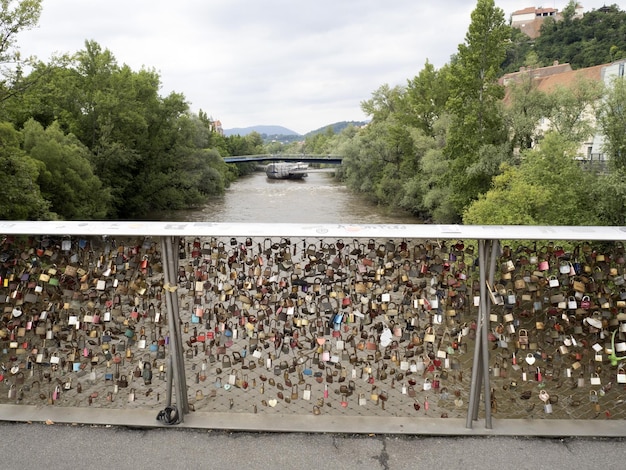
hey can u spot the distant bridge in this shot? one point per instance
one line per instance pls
(283, 157)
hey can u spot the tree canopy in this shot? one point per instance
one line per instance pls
(87, 138)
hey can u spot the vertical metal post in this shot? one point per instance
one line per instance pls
(480, 371)
(495, 246)
(474, 396)
(173, 320)
(169, 375)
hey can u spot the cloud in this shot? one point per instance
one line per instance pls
(298, 64)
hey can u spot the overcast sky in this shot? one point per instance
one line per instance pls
(298, 64)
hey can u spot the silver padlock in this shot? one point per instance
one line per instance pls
(593, 396)
(545, 398)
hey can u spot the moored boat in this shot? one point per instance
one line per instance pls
(286, 170)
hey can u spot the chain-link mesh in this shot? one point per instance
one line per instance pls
(356, 327)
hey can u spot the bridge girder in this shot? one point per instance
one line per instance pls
(328, 159)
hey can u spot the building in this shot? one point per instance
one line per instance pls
(529, 20)
(217, 127)
(547, 79)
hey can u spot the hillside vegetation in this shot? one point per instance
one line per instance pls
(84, 137)
(446, 148)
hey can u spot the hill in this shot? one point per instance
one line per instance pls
(286, 136)
(263, 130)
(336, 127)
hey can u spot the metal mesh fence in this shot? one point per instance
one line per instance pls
(372, 327)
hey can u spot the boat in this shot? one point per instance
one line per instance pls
(286, 170)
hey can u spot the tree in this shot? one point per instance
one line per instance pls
(426, 193)
(591, 40)
(474, 100)
(609, 196)
(518, 51)
(612, 121)
(15, 16)
(524, 107)
(21, 197)
(425, 98)
(66, 178)
(570, 110)
(549, 187)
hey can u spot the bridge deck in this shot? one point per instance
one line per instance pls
(328, 159)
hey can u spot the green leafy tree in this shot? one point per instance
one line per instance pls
(609, 196)
(66, 178)
(474, 102)
(518, 51)
(594, 39)
(15, 16)
(524, 108)
(425, 191)
(21, 197)
(549, 187)
(318, 143)
(425, 98)
(612, 121)
(570, 110)
(387, 157)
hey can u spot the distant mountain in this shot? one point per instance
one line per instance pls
(336, 127)
(267, 130)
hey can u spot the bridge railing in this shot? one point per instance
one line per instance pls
(388, 321)
(328, 158)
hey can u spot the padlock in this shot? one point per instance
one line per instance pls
(496, 370)
(436, 382)
(147, 373)
(593, 396)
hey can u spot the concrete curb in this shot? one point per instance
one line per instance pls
(317, 424)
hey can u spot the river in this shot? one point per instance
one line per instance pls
(318, 198)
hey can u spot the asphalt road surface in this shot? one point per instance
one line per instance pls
(53, 446)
